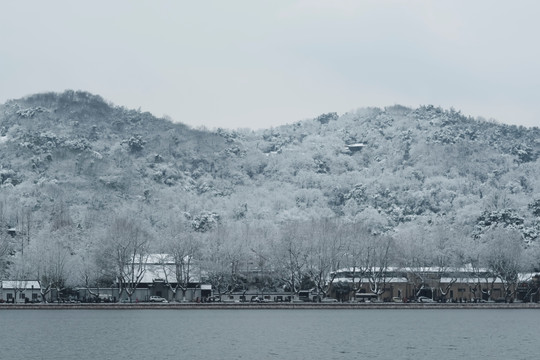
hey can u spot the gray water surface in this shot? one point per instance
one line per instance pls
(269, 334)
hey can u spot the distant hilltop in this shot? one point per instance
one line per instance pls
(401, 165)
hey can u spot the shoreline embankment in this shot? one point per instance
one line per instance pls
(266, 306)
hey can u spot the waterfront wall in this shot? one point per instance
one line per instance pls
(255, 306)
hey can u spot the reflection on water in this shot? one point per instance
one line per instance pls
(268, 334)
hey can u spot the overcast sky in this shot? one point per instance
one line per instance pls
(258, 64)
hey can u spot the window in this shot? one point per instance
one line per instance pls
(21, 296)
(9, 296)
(34, 296)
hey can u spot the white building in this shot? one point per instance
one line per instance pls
(19, 291)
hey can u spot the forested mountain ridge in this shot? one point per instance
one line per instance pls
(71, 162)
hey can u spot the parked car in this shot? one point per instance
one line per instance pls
(157, 299)
(425, 299)
(329, 300)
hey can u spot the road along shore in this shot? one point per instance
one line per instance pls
(258, 306)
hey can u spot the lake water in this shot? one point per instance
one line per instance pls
(269, 334)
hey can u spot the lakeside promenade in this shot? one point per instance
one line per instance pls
(258, 306)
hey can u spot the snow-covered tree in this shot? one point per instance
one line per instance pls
(127, 249)
(380, 255)
(326, 253)
(180, 249)
(222, 259)
(503, 256)
(290, 256)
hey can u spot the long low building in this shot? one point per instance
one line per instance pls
(431, 284)
(157, 278)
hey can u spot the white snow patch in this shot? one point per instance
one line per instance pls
(97, 155)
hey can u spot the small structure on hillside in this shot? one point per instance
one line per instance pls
(355, 147)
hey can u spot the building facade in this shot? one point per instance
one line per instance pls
(435, 284)
(19, 291)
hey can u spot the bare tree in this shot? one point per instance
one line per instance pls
(92, 274)
(326, 253)
(357, 239)
(416, 257)
(25, 227)
(128, 246)
(180, 248)
(51, 264)
(20, 273)
(503, 255)
(447, 256)
(289, 253)
(5, 250)
(223, 256)
(484, 280)
(6, 241)
(379, 257)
